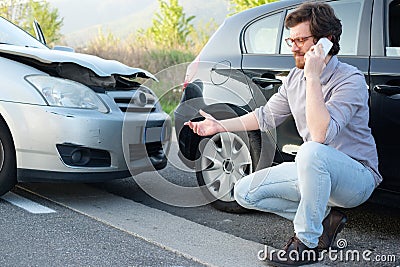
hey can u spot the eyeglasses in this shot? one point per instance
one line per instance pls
(298, 41)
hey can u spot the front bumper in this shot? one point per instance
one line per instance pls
(122, 139)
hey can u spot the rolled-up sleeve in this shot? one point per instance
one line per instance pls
(274, 112)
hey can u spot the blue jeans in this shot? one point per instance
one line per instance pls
(303, 191)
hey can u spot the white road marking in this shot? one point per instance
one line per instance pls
(186, 238)
(26, 204)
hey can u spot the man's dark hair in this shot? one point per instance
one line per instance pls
(323, 22)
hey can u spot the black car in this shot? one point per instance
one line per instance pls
(243, 65)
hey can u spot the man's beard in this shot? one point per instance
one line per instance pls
(299, 61)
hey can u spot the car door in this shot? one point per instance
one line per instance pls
(266, 69)
(267, 59)
(385, 93)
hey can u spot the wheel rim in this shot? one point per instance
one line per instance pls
(225, 159)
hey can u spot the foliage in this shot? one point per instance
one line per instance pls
(201, 35)
(240, 5)
(48, 18)
(23, 13)
(10, 9)
(103, 42)
(130, 52)
(170, 27)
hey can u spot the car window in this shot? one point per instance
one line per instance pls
(349, 12)
(261, 36)
(393, 47)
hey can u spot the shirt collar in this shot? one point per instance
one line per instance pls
(327, 72)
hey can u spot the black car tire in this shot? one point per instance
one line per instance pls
(220, 167)
(8, 168)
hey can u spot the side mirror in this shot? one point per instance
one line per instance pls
(38, 32)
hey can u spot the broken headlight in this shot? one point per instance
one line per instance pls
(66, 93)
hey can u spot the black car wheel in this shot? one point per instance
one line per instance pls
(8, 169)
(224, 159)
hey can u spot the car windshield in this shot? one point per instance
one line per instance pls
(13, 35)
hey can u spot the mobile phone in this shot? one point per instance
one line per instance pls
(326, 45)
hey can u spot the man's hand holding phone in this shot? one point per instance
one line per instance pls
(326, 45)
(315, 58)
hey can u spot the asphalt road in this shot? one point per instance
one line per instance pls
(68, 238)
(160, 219)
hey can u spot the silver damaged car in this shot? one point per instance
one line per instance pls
(67, 116)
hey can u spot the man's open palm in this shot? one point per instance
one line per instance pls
(207, 127)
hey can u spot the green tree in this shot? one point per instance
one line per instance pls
(170, 27)
(48, 18)
(11, 10)
(240, 5)
(24, 13)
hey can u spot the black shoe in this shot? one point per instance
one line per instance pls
(333, 224)
(295, 253)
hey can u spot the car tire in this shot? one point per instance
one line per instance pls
(222, 160)
(8, 167)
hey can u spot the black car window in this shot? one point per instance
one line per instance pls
(261, 36)
(349, 12)
(393, 48)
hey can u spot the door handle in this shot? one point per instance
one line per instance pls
(264, 82)
(388, 90)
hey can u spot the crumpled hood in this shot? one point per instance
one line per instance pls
(101, 67)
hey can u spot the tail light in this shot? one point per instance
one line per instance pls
(191, 71)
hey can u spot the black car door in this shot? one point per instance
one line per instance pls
(385, 89)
